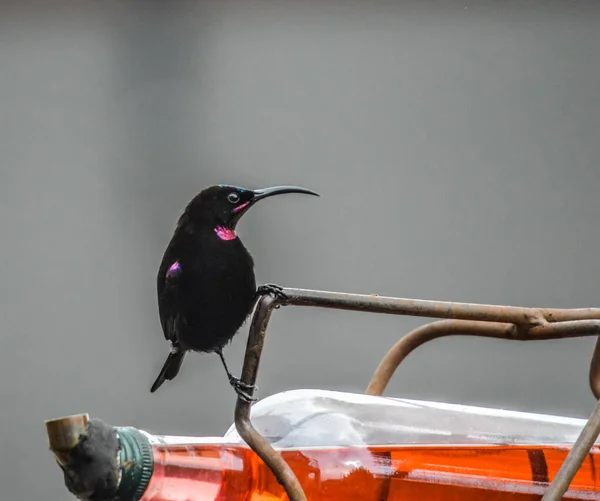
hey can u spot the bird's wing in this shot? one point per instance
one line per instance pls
(168, 284)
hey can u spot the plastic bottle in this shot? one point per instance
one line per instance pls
(344, 446)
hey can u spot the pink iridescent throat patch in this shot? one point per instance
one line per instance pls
(225, 233)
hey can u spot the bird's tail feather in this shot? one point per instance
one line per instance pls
(169, 370)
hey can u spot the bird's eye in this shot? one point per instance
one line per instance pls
(234, 198)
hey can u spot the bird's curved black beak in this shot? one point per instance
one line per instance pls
(279, 190)
(265, 193)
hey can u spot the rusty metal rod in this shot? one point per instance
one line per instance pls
(595, 370)
(421, 335)
(284, 474)
(497, 330)
(574, 459)
(563, 330)
(435, 309)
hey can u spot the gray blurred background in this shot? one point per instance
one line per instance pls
(455, 145)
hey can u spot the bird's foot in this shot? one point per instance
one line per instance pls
(273, 290)
(241, 389)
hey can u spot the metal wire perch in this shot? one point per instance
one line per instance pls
(494, 321)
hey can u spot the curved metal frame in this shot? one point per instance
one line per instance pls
(494, 321)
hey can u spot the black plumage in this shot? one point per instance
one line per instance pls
(206, 285)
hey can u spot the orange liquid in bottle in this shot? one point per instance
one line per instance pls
(207, 472)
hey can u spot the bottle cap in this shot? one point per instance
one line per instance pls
(137, 463)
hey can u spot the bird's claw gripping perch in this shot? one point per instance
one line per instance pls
(240, 388)
(273, 290)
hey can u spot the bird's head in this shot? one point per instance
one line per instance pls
(222, 206)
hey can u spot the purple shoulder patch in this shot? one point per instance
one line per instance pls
(174, 269)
